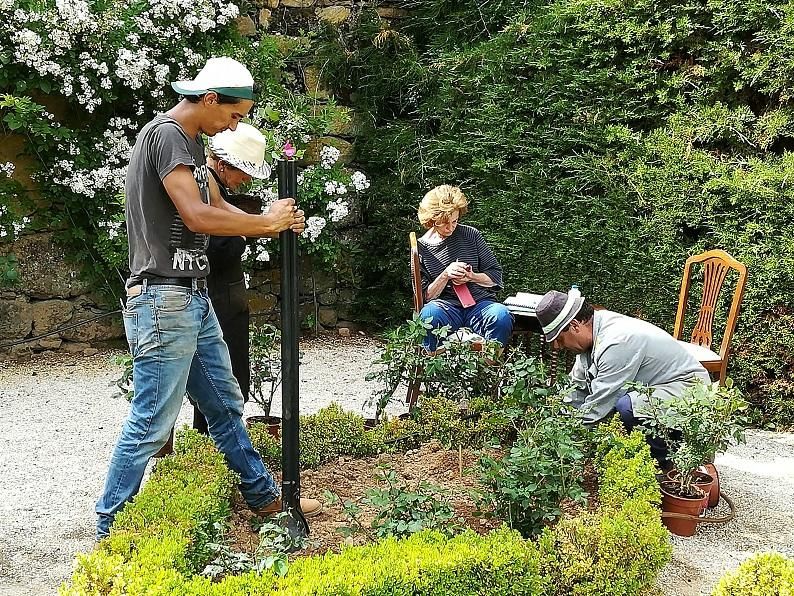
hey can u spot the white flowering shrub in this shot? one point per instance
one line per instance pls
(325, 192)
(103, 67)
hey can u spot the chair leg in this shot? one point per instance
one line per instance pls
(723, 372)
(413, 389)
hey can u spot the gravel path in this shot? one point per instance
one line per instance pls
(54, 456)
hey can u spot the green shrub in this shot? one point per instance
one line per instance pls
(165, 530)
(154, 548)
(544, 466)
(424, 564)
(620, 549)
(330, 433)
(266, 445)
(402, 509)
(763, 574)
(455, 372)
(333, 432)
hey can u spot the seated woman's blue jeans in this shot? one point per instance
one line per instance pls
(487, 318)
(176, 344)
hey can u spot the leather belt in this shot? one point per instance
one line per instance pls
(186, 282)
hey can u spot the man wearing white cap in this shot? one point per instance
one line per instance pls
(170, 325)
(614, 350)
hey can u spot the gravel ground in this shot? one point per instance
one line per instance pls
(54, 458)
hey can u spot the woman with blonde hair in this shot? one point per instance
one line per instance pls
(460, 274)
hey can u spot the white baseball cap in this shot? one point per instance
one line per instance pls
(243, 148)
(222, 75)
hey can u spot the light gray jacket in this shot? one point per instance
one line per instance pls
(626, 349)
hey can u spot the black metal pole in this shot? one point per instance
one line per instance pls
(290, 329)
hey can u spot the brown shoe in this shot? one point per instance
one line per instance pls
(310, 508)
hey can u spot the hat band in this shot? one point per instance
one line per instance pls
(567, 311)
(240, 92)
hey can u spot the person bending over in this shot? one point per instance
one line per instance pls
(613, 350)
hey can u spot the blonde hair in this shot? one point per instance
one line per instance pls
(439, 204)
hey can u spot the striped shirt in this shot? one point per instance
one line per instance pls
(465, 244)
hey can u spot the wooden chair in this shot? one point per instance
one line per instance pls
(416, 274)
(716, 264)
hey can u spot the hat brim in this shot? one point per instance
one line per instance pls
(260, 171)
(190, 88)
(552, 334)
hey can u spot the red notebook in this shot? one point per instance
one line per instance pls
(464, 295)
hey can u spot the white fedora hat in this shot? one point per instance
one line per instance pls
(244, 148)
(222, 75)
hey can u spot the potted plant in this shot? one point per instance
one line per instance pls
(265, 353)
(703, 422)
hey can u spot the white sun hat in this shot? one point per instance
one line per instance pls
(243, 148)
(222, 75)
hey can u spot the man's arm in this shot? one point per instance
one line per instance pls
(208, 219)
(618, 365)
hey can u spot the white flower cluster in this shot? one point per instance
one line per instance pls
(314, 225)
(335, 188)
(260, 248)
(113, 228)
(359, 181)
(329, 156)
(20, 225)
(268, 196)
(134, 67)
(43, 40)
(76, 14)
(115, 146)
(338, 210)
(7, 168)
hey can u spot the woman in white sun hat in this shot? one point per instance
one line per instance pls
(235, 157)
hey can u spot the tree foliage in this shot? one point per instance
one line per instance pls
(601, 142)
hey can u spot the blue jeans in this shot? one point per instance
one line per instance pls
(487, 318)
(659, 448)
(177, 346)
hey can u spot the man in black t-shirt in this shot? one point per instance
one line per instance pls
(173, 334)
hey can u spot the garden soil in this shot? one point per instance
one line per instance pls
(60, 423)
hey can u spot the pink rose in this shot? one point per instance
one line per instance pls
(288, 150)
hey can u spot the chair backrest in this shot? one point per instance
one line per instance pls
(416, 274)
(716, 264)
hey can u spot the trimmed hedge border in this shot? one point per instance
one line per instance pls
(158, 543)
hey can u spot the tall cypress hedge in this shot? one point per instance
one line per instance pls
(601, 142)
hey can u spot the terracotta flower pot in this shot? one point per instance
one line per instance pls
(689, 506)
(273, 424)
(703, 480)
(714, 497)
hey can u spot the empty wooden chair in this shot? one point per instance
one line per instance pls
(716, 265)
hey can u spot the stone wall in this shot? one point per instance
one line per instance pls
(52, 296)
(49, 296)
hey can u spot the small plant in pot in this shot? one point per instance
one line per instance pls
(265, 355)
(696, 426)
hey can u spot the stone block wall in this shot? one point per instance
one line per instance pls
(50, 296)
